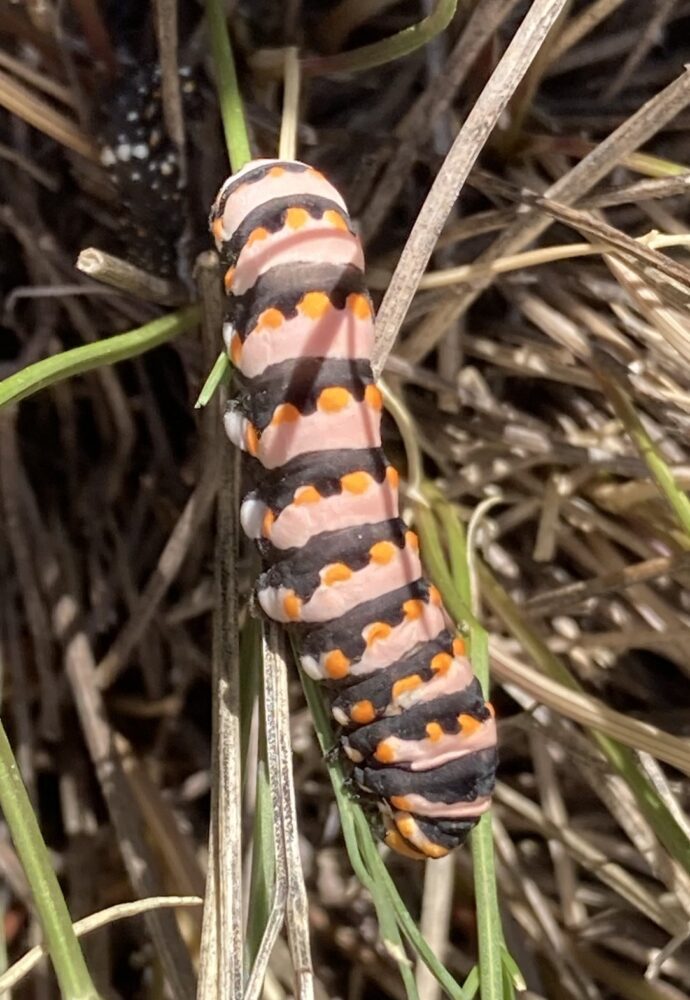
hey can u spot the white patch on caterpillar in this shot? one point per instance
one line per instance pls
(252, 513)
(236, 428)
(340, 717)
(311, 668)
(354, 755)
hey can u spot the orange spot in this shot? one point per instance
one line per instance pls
(314, 304)
(434, 731)
(373, 397)
(459, 648)
(356, 482)
(379, 630)
(267, 523)
(337, 573)
(333, 399)
(435, 596)
(295, 218)
(336, 664)
(393, 477)
(306, 494)
(396, 843)
(384, 753)
(235, 349)
(469, 724)
(412, 540)
(252, 439)
(292, 605)
(405, 684)
(359, 305)
(362, 712)
(270, 317)
(228, 278)
(413, 609)
(441, 663)
(286, 413)
(315, 173)
(399, 802)
(217, 229)
(492, 710)
(256, 235)
(382, 553)
(334, 219)
(432, 850)
(406, 825)
(276, 171)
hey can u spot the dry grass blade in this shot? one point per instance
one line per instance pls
(466, 148)
(221, 966)
(590, 712)
(578, 181)
(81, 672)
(638, 250)
(288, 862)
(121, 274)
(414, 129)
(121, 911)
(195, 512)
(541, 371)
(595, 861)
(19, 100)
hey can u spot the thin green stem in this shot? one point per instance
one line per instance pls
(454, 581)
(62, 945)
(658, 468)
(62, 366)
(367, 863)
(229, 97)
(218, 374)
(489, 930)
(379, 53)
(621, 759)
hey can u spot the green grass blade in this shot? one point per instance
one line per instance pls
(489, 929)
(455, 586)
(263, 866)
(471, 984)
(621, 759)
(512, 970)
(59, 367)
(229, 98)
(62, 945)
(658, 468)
(379, 53)
(437, 567)
(368, 865)
(218, 374)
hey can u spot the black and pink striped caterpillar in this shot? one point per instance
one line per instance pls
(341, 569)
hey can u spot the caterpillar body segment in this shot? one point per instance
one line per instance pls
(341, 569)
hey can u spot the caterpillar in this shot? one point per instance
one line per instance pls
(341, 570)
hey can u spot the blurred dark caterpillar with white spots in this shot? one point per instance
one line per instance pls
(341, 569)
(144, 166)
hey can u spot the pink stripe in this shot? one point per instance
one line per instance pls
(300, 522)
(249, 196)
(426, 754)
(339, 334)
(314, 242)
(355, 426)
(447, 810)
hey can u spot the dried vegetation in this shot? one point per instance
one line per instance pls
(545, 363)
